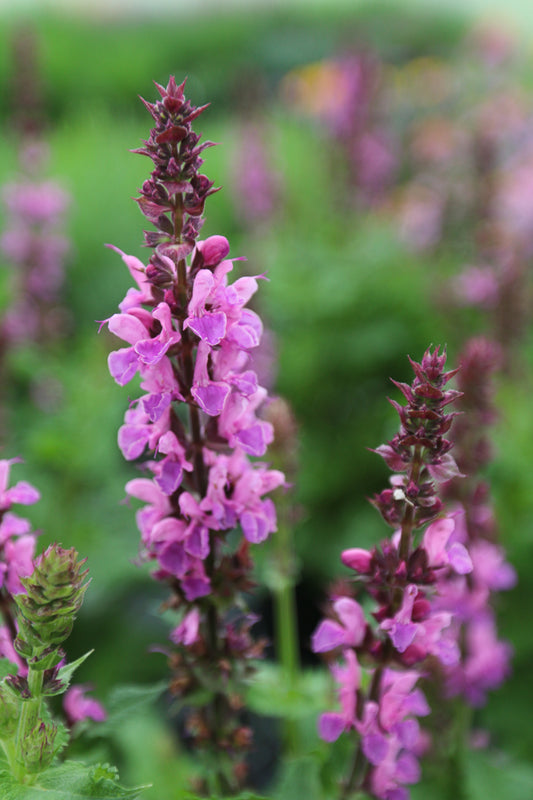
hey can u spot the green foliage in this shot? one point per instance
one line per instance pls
(493, 774)
(240, 796)
(270, 695)
(126, 702)
(70, 781)
(7, 668)
(299, 778)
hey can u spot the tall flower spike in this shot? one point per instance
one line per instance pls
(409, 631)
(190, 337)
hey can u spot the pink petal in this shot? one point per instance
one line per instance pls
(211, 398)
(330, 726)
(211, 327)
(328, 636)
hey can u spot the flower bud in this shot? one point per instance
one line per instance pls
(38, 748)
(54, 594)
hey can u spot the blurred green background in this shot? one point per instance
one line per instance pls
(347, 299)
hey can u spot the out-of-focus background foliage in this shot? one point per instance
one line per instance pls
(356, 282)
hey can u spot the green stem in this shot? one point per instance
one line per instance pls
(29, 715)
(457, 788)
(286, 619)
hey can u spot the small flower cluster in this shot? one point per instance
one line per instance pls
(190, 337)
(382, 702)
(257, 184)
(345, 93)
(32, 243)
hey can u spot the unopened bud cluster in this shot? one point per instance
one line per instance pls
(54, 594)
(419, 452)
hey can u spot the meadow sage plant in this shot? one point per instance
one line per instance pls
(190, 338)
(381, 662)
(32, 739)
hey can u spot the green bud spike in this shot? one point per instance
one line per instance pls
(54, 594)
(38, 748)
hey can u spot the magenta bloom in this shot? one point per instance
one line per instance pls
(34, 246)
(188, 337)
(78, 706)
(349, 631)
(17, 542)
(348, 677)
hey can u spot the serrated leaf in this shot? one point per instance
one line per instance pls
(65, 674)
(70, 781)
(7, 668)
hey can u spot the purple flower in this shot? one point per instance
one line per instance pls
(441, 552)
(349, 632)
(36, 250)
(348, 677)
(77, 706)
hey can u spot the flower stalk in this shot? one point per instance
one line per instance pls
(401, 576)
(190, 338)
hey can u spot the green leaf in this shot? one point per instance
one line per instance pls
(126, 701)
(65, 674)
(269, 694)
(70, 781)
(7, 668)
(495, 774)
(299, 778)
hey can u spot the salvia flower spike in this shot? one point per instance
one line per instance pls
(191, 338)
(404, 578)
